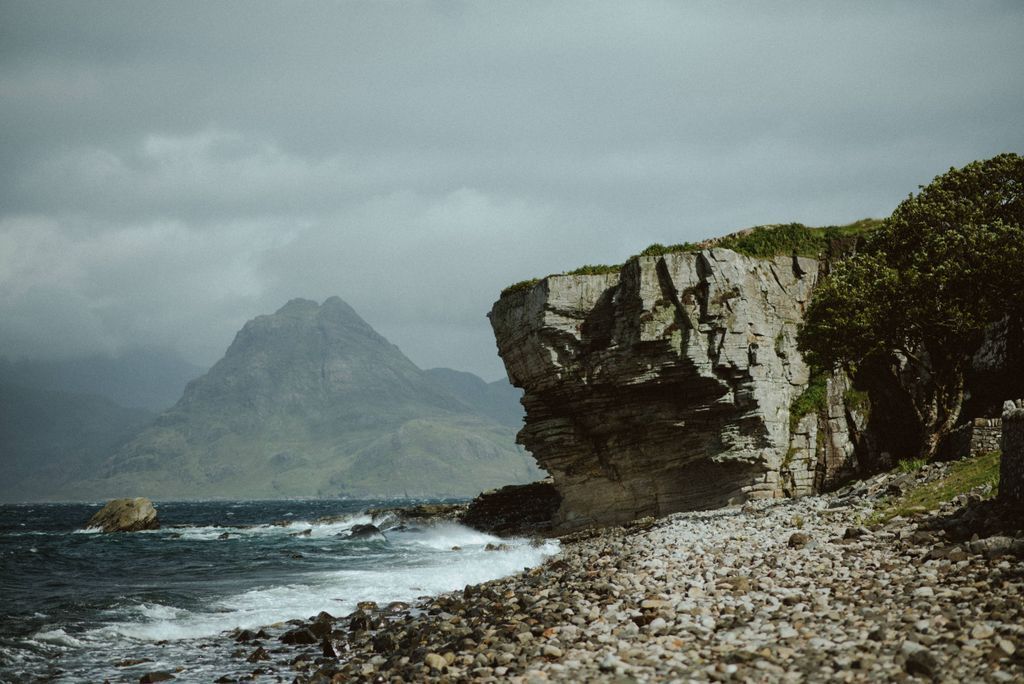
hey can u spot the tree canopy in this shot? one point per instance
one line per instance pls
(917, 299)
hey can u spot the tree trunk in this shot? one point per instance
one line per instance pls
(942, 412)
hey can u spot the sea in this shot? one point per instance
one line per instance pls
(77, 605)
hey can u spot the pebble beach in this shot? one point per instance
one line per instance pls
(797, 590)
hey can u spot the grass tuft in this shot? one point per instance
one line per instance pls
(812, 400)
(658, 249)
(520, 286)
(911, 465)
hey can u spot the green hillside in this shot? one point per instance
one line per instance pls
(311, 401)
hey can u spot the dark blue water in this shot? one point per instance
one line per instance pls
(74, 605)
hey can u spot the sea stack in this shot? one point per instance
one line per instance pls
(125, 515)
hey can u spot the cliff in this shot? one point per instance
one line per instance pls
(668, 386)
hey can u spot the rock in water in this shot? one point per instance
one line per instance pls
(126, 515)
(364, 532)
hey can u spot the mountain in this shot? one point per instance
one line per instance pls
(311, 401)
(149, 379)
(497, 400)
(49, 439)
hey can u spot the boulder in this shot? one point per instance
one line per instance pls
(515, 509)
(299, 635)
(364, 532)
(125, 515)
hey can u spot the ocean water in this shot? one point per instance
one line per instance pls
(75, 606)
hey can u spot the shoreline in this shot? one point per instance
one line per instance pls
(787, 590)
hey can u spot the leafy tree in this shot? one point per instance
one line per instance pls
(915, 303)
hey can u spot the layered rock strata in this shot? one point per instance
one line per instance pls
(668, 386)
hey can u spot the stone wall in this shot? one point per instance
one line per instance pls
(976, 437)
(1011, 465)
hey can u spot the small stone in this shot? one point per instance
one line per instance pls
(799, 540)
(150, 677)
(923, 662)
(435, 661)
(551, 651)
(1006, 646)
(258, 655)
(300, 635)
(924, 592)
(982, 631)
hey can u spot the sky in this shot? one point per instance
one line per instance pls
(169, 170)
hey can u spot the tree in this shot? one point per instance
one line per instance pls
(916, 302)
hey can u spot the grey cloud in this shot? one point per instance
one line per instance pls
(175, 168)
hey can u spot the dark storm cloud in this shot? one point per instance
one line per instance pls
(168, 170)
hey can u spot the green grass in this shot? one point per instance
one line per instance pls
(776, 240)
(762, 242)
(520, 286)
(911, 465)
(964, 476)
(793, 238)
(812, 400)
(857, 400)
(658, 249)
(595, 269)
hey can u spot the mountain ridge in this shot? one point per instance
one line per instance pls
(311, 401)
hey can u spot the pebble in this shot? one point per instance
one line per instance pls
(435, 661)
(982, 631)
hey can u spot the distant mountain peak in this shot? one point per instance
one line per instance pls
(297, 307)
(311, 401)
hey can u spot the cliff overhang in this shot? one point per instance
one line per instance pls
(667, 386)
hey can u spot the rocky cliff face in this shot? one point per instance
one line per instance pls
(668, 385)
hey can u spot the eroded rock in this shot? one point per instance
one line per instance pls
(125, 515)
(663, 387)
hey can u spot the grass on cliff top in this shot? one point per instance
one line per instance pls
(761, 242)
(774, 240)
(520, 286)
(963, 476)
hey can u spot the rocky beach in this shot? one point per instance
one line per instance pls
(813, 589)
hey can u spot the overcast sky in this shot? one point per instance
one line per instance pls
(170, 170)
